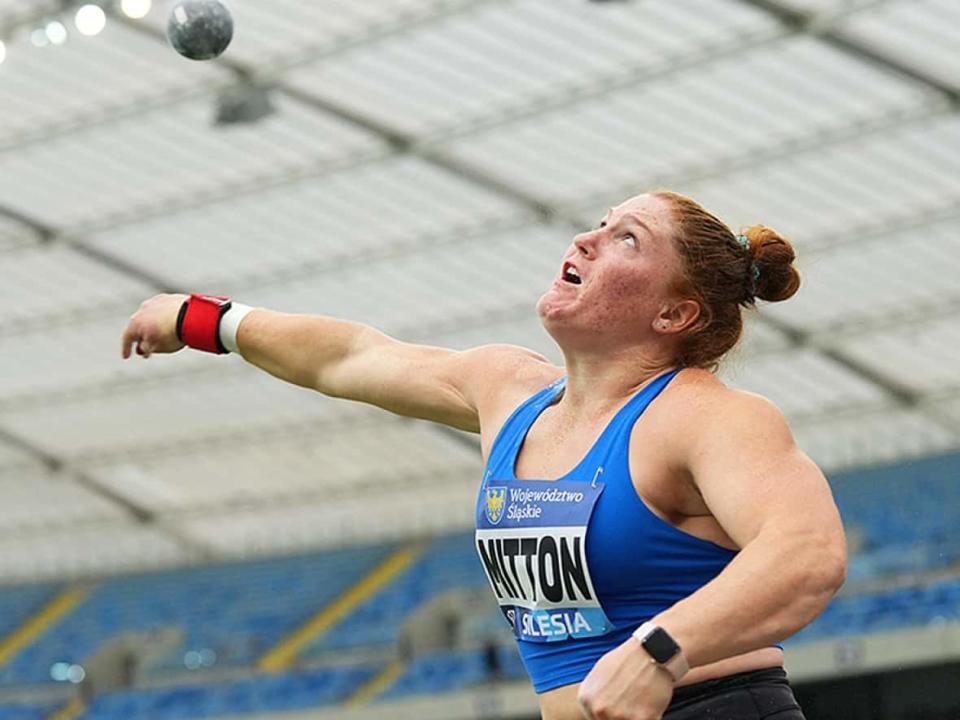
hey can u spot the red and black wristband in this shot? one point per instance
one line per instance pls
(198, 323)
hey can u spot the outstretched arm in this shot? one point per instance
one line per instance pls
(354, 361)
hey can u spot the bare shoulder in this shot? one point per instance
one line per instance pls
(501, 377)
(742, 459)
(496, 374)
(702, 400)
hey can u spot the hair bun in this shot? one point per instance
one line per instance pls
(774, 256)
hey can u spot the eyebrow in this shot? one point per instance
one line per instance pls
(635, 219)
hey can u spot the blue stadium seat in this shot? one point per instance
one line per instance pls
(449, 563)
(889, 610)
(454, 670)
(18, 603)
(438, 673)
(26, 711)
(906, 515)
(260, 694)
(237, 610)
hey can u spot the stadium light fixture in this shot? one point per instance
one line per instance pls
(136, 9)
(39, 38)
(90, 20)
(56, 32)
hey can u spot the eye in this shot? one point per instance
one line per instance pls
(630, 240)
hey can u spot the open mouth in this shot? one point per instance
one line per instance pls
(571, 274)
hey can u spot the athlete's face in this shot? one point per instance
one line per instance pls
(616, 278)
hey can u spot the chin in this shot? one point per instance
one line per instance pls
(554, 319)
(548, 310)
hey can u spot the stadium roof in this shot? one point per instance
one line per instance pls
(424, 165)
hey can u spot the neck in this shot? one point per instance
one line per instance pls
(598, 382)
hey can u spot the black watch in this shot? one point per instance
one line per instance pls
(663, 649)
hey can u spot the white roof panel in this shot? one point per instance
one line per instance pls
(283, 31)
(859, 187)
(167, 159)
(16, 460)
(14, 234)
(308, 462)
(32, 281)
(461, 280)
(522, 327)
(827, 7)
(50, 90)
(100, 548)
(922, 34)
(376, 208)
(13, 11)
(33, 358)
(801, 382)
(164, 409)
(867, 436)
(395, 514)
(923, 354)
(34, 501)
(506, 58)
(693, 122)
(860, 282)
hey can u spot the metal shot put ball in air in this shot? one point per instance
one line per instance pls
(200, 29)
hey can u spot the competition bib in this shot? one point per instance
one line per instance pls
(532, 541)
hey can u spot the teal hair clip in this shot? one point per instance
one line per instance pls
(754, 268)
(745, 243)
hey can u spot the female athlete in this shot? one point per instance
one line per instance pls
(649, 533)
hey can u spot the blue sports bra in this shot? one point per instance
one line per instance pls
(578, 563)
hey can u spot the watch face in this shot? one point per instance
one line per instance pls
(660, 645)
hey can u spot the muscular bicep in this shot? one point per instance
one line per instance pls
(754, 478)
(446, 386)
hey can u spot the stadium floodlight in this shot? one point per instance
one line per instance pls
(90, 20)
(39, 38)
(136, 9)
(56, 32)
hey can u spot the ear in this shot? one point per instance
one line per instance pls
(677, 317)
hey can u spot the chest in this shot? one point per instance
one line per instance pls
(553, 447)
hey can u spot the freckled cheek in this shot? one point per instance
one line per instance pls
(622, 298)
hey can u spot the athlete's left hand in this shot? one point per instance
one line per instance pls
(626, 684)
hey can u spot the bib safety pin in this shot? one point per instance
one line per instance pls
(596, 476)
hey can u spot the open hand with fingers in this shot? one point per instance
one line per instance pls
(153, 327)
(626, 684)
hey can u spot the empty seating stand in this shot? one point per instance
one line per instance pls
(18, 603)
(26, 711)
(448, 563)
(238, 610)
(266, 693)
(905, 516)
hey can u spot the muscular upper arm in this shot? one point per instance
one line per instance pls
(753, 477)
(445, 386)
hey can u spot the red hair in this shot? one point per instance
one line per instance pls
(724, 272)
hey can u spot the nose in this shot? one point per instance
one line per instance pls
(586, 244)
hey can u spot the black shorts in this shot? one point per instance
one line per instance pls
(757, 695)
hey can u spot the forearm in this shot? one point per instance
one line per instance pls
(774, 587)
(300, 349)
